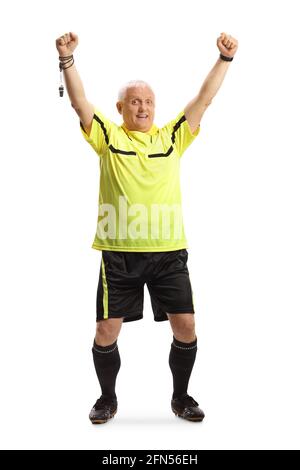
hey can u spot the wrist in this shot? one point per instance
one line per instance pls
(65, 55)
(226, 58)
(65, 61)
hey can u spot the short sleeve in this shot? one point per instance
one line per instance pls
(181, 134)
(100, 132)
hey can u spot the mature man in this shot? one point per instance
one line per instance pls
(140, 227)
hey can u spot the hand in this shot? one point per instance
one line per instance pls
(227, 45)
(66, 44)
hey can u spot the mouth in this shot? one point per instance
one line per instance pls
(142, 116)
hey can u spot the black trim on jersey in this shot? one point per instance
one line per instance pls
(154, 155)
(123, 152)
(103, 128)
(111, 147)
(175, 128)
(82, 127)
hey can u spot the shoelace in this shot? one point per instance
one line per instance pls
(189, 401)
(103, 401)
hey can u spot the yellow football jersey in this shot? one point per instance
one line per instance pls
(139, 193)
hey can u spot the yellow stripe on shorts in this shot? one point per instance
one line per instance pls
(105, 291)
(193, 299)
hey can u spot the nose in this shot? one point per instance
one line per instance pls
(142, 106)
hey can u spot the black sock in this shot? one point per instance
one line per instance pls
(107, 364)
(181, 361)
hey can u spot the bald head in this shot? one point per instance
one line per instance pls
(132, 84)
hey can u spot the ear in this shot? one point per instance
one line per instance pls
(119, 106)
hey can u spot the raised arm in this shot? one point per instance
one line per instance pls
(66, 45)
(195, 109)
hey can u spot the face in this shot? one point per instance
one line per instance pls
(137, 109)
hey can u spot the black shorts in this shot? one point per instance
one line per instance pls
(123, 275)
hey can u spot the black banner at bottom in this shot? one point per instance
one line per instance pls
(129, 458)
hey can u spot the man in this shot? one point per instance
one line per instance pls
(140, 227)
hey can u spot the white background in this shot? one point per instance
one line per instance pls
(240, 187)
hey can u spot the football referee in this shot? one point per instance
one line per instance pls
(140, 228)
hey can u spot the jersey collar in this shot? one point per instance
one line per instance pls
(151, 131)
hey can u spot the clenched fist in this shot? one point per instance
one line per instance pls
(227, 45)
(66, 44)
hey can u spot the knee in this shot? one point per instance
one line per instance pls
(184, 329)
(107, 331)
